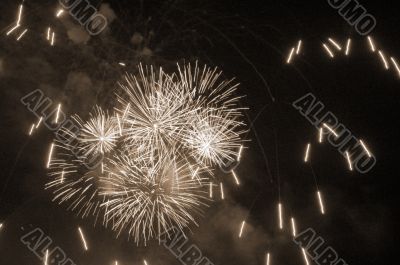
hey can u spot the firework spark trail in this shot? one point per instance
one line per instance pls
(306, 155)
(321, 135)
(330, 129)
(321, 204)
(83, 239)
(59, 12)
(239, 153)
(289, 59)
(1, 226)
(211, 190)
(145, 262)
(58, 113)
(31, 129)
(221, 185)
(267, 259)
(348, 47)
(18, 22)
(53, 38)
(46, 257)
(371, 44)
(349, 161)
(305, 256)
(236, 178)
(293, 227)
(50, 155)
(280, 216)
(384, 61)
(298, 49)
(39, 122)
(241, 228)
(22, 34)
(328, 50)
(337, 46)
(365, 148)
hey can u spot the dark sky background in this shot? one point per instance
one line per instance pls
(248, 40)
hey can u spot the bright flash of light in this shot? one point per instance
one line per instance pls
(298, 49)
(335, 44)
(241, 228)
(289, 59)
(83, 239)
(321, 204)
(116, 262)
(348, 47)
(321, 135)
(1, 226)
(22, 34)
(371, 44)
(236, 178)
(50, 155)
(349, 161)
(331, 130)
(280, 216)
(384, 61)
(293, 227)
(365, 148)
(305, 256)
(306, 155)
(328, 50)
(395, 65)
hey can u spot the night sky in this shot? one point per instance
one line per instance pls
(250, 41)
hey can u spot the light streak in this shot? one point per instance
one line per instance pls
(18, 23)
(48, 33)
(335, 44)
(298, 47)
(12, 29)
(32, 128)
(59, 12)
(384, 60)
(328, 50)
(62, 176)
(1, 226)
(222, 190)
(365, 148)
(235, 177)
(241, 228)
(371, 44)
(22, 34)
(50, 155)
(321, 135)
(58, 113)
(290, 56)
(293, 227)
(280, 216)
(349, 161)
(239, 153)
(348, 47)
(83, 239)
(119, 125)
(39, 122)
(395, 65)
(145, 262)
(307, 153)
(122, 64)
(211, 189)
(46, 257)
(331, 130)
(268, 258)
(305, 256)
(53, 34)
(321, 204)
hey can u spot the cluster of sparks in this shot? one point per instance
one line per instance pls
(158, 151)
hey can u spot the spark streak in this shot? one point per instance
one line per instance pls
(211, 190)
(371, 44)
(46, 257)
(39, 122)
(59, 12)
(384, 60)
(328, 50)
(335, 44)
(235, 177)
(321, 204)
(145, 262)
(365, 148)
(222, 190)
(22, 34)
(83, 239)
(321, 135)
(348, 47)
(280, 216)
(267, 263)
(241, 228)
(298, 47)
(32, 128)
(18, 23)
(1, 226)
(305, 256)
(50, 155)
(307, 153)
(239, 153)
(293, 227)
(58, 113)
(395, 65)
(349, 161)
(331, 130)
(290, 56)
(52, 38)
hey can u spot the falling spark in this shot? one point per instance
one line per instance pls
(22, 34)
(222, 190)
(321, 134)
(122, 64)
(1, 226)
(307, 153)
(32, 128)
(290, 56)
(62, 176)
(298, 47)
(371, 43)
(58, 113)
(331, 130)
(116, 263)
(239, 153)
(348, 46)
(211, 190)
(280, 216)
(40, 121)
(235, 177)
(145, 262)
(50, 155)
(349, 161)
(267, 259)
(48, 33)
(384, 60)
(52, 38)
(241, 229)
(328, 50)
(335, 44)
(59, 13)
(119, 125)
(11, 30)
(365, 148)
(395, 65)
(18, 23)
(305, 256)
(321, 204)
(293, 227)
(46, 257)
(83, 239)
